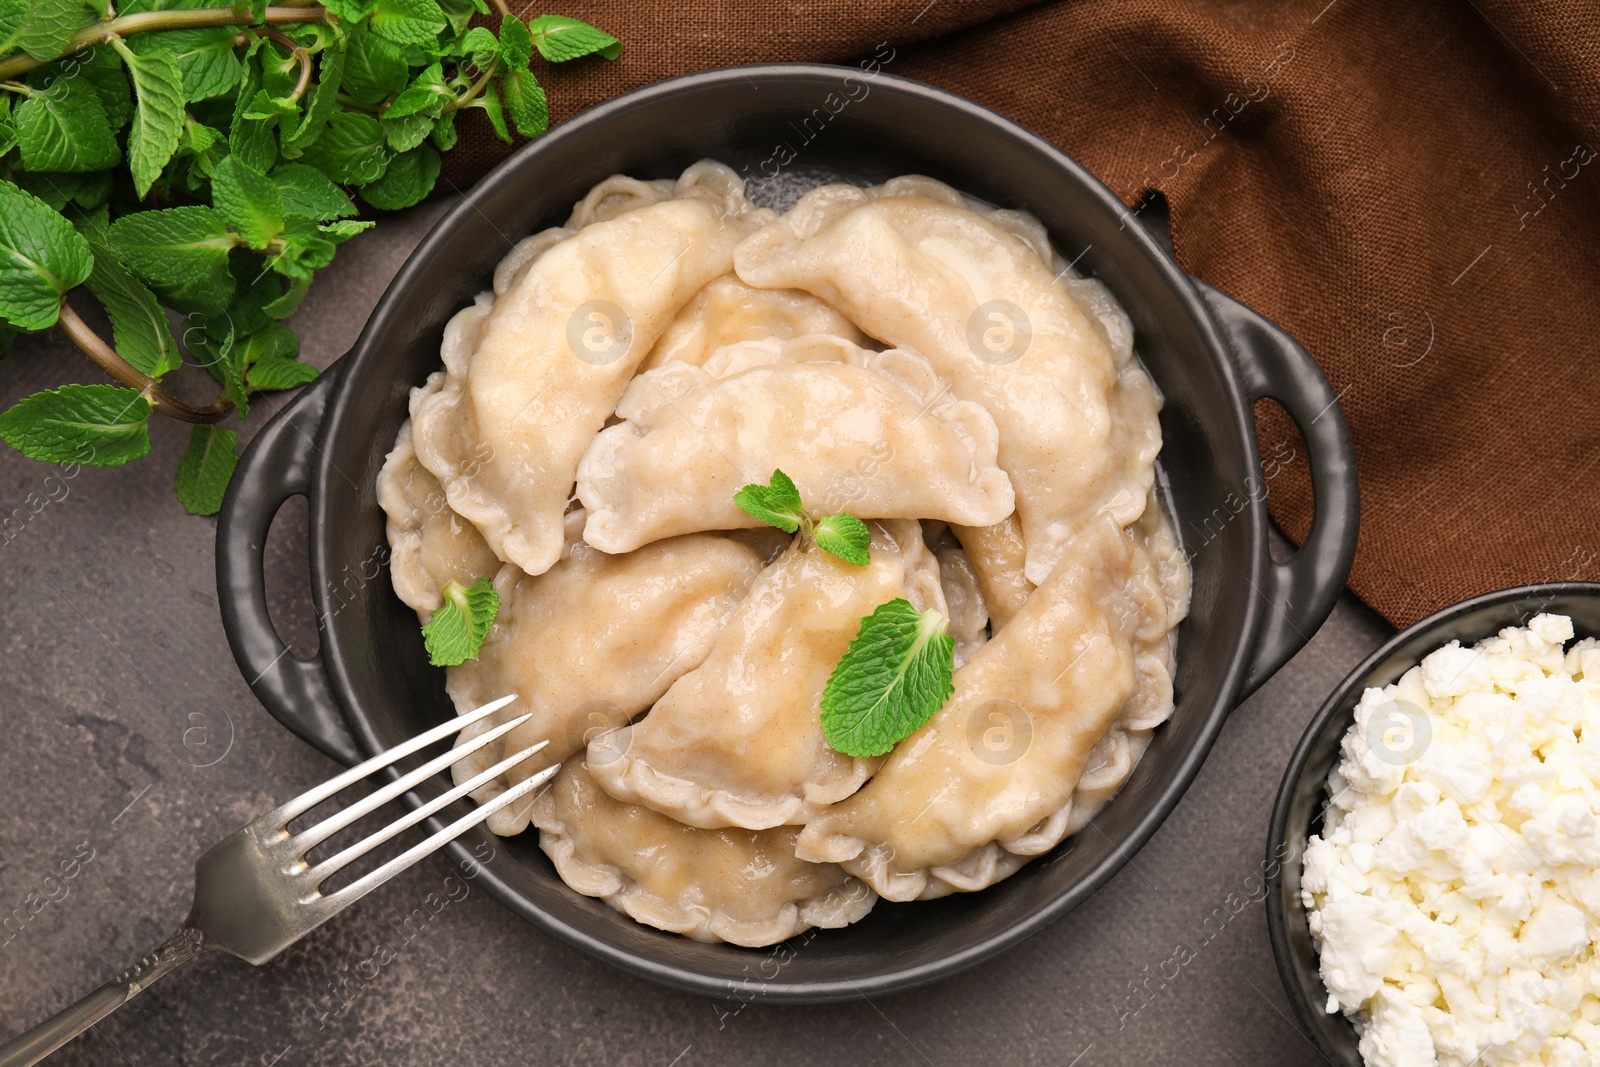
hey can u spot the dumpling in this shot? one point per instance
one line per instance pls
(689, 442)
(998, 555)
(969, 618)
(934, 276)
(738, 741)
(742, 886)
(728, 311)
(591, 643)
(555, 352)
(1115, 755)
(429, 545)
(988, 781)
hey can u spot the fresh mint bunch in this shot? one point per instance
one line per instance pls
(778, 504)
(197, 164)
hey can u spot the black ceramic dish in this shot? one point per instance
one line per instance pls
(1303, 796)
(371, 685)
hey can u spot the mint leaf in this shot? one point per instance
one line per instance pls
(444, 131)
(270, 342)
(407, 21)
(777, 503)
(252, 141)
(490, 103)
(324, 99)
(158, 117)
(480, 46)
(516, 43)
(285, 305)
(205, 470)
(560, 38)
(182, 252)
(305, 250)
(405, 134)
(525, 102)
(351, 150)
(264, 107)
(139, 326)
(50, 26)
(898, 671)
(102, 69)
(844, 536)
(95, 425)
(306, 192)
(428, 95)
(248, 201)
(459, 12)
(277, 372)
(409, 178)
(341, 231)
(62, 127)
(198, 138)
(374, 68)
(205, 57)
(350, 11)
(228, 359)
(456, 631)
(41, 257)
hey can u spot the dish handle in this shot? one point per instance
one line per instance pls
(1301, 591)
(276, 466)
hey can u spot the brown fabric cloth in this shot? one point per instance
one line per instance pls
(1407, 187)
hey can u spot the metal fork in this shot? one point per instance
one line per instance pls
(255, 894)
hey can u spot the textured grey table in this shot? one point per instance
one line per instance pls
(130, 737)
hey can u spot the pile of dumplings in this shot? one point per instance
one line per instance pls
(905, 354)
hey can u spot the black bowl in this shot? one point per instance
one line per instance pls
(1303, 795)
(792, 126)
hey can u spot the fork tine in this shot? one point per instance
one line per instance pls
(309, 838)
(336, 862)
(341, 898)
(312, 797)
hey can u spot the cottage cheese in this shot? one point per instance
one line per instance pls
(1455, 888)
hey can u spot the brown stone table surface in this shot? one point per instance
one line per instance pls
(129, 731)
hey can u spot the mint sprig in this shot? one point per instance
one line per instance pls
(898, 671)
(778, 504)
(456, 631)
(177, 157)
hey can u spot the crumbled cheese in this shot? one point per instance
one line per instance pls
(1454, 890)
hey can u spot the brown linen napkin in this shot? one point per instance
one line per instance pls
(1408, 188)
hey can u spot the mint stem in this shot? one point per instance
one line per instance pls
(105, 357)
(145, 21)
(298, 54)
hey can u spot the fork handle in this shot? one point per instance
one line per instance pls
(33, 1046)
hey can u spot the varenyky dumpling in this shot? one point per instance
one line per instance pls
(997, 555)
(988, 781)
(690, 441)
(916, 267)
(728, 311)
(742, 886)
(591, 643)
(738, 740)
(1115, 755)
(555, 352)
(430, 545)
(969, 616)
